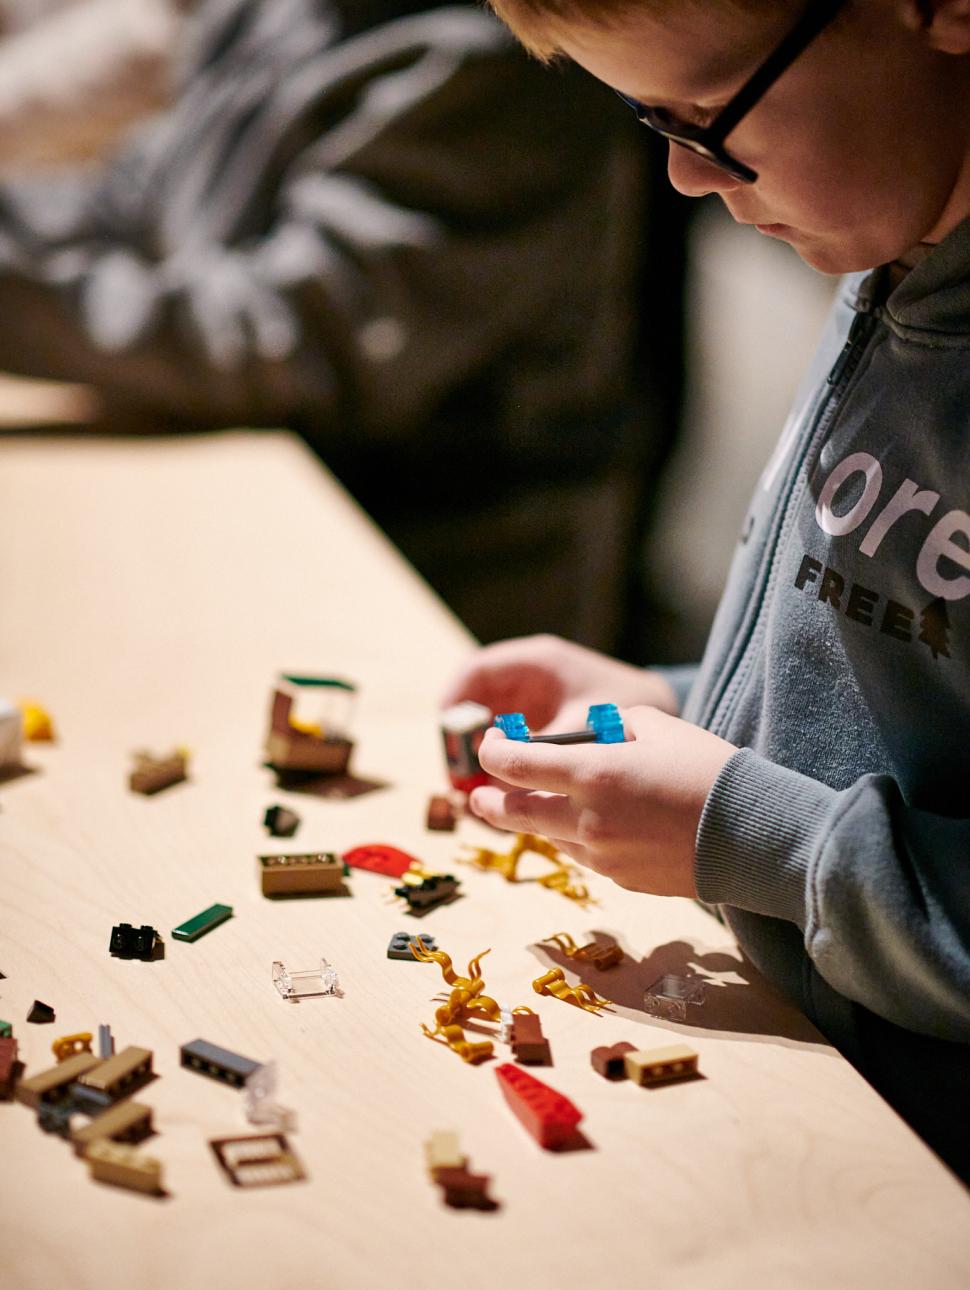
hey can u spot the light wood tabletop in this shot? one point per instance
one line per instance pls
(150, 591)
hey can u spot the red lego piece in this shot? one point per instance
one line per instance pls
(549, 1116)
(8, 1066)
(380, 858)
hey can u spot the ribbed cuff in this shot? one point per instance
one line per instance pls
(680, 677)
(759, 835)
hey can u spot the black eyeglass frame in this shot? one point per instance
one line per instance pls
(707, 140)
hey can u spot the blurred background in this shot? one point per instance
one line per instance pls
(461, 277)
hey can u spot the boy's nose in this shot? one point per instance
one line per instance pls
(695, 176)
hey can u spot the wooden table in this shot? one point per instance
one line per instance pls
(150, 592)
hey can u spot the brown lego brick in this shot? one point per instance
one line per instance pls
(306, 874)
(442, 816)
(529, 1045)
(258, 1160)
(120, 1074)
(126, 1121)
(658, 1065)
(151, 774)
(51, 1084)
(465, 1190)
(609, 1061)
(123, 1166)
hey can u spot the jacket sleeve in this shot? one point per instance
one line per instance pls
(880, 891)
(409, 226)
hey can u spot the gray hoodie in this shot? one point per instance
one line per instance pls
(837, 840)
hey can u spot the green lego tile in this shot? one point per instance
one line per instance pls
(6, 1030)
(202, 923)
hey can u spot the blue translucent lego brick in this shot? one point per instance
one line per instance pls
(606, 723)
(512, 725)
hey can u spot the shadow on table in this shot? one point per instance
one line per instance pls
(738, 999)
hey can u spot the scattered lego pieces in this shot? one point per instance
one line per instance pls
(380, 858)
(598, 956)
(11, 725)
(128, 942)
(119, 1075)
(36, 722)
(608, 1060)
(52, 1084)
(313, 873)
(466, 998)
(71, 1045)
(123, 1166)
(319, 747)
(260, 1160)
(218, 1063)
(670, 996)
(442, 816)
(202, 923)
(529, 1044)
(6, 1029)
(281, 821)
(548, 1115)
(604, 725)
(462, 730)
(399, 946)
(106, 1043)
(150, 774)
(8, 1066)
(126, 1121)
(660, 1065)
(41, 1014)
(427, 893)
(582, 995)
(560, 878)
(304, 985)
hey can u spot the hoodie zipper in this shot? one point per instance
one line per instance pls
(719, 709)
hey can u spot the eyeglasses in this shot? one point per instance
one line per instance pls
(708, 140)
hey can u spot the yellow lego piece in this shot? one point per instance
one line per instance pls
(583, 996)
(36, 722)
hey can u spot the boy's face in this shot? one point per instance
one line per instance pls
(862, 146)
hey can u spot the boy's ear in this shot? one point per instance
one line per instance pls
(945, 22)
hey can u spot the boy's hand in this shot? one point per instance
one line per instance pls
(549, 679)
(630, 811)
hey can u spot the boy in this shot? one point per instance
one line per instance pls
(816, 786)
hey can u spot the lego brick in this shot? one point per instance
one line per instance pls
(670, 996)
(10, 732)
(658, 1065)
(281, 821)
(442, 816)
(129, 942)
(260, 1160)
(56, 1117)
(151, 774)
(218, 1063)
(307, 982)
(126, 1121)
(379, 858)
(106, 1044)
(529, 1045)
(202, 923)
(399, 946)
(41, 1014)
(6, 1029)
(462, 730)
(464, 1190)
(548, 1115)
(111, 1162)
(121, 1074)
(52, 1084)
(437, 889)
(70, 1045)
(301, 875)
(37, 724)
(608, 1060)
(441, 1151)
(8, 1066)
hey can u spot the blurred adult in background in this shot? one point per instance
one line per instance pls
(377, 222)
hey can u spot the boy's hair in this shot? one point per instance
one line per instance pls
(541, 24)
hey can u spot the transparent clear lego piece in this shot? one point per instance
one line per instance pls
(670, 996)
(260, 1101)
(303, 985)
(505, 1032)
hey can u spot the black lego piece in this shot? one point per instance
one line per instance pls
(129, 942)
(41, 1013)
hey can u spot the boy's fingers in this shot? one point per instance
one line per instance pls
(549, 767)
(549, 814)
